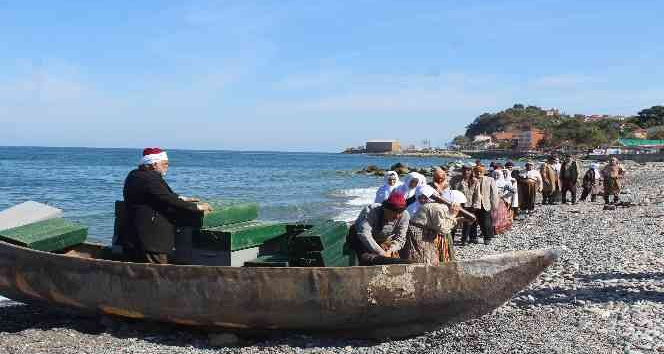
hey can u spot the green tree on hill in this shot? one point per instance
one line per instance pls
(651, 117)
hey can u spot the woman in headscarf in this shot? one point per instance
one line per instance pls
(428, 239)
(500, 216)
(514, 199)
(411, 182)
(422, 195)
(391, 183)
(592, 183)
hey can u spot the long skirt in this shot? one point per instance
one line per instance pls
(425, 246)
(500, 218)
(527, 192)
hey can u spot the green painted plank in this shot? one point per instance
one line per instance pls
(321, 236)
(272, 260)
(238, 236)
(338, 254)
(231, 214)
(48, 235)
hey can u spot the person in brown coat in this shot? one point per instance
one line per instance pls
(612, 174)
(549, 181)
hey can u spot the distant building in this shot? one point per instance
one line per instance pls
(381, 146)
(552, 112)
(481, 138)
(529, 139)
(640, 133)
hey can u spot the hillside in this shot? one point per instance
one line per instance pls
(562, 129)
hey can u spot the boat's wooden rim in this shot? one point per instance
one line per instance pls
(72, 253)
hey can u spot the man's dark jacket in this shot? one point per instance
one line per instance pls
(152, 210)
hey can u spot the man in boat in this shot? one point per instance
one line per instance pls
(380, 231)
(153, 210)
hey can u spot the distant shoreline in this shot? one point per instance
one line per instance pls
(447, 154)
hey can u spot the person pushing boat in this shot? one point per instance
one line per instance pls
(153, 210)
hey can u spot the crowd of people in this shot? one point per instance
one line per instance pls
(409, 222)
(416, 221)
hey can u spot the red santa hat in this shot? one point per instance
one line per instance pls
(153, 155)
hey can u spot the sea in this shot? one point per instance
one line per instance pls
(289, 186)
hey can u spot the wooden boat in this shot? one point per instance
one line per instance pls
(376, 301)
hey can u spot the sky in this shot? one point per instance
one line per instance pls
(312, 75)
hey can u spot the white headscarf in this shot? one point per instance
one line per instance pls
(500, 178)
(424, 190)
(384, 191)
(595, 167)
(405, 187)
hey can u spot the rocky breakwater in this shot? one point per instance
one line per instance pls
(605, 295)
(403, 169)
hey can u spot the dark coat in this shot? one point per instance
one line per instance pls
(569, 172)
(152, 211)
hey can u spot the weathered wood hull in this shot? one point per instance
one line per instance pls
(394, 300)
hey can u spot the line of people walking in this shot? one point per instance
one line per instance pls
(497, 197)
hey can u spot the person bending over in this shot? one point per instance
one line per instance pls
(380, 231)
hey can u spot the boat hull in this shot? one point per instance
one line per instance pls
(390, 300)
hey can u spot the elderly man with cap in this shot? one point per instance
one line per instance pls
(484, 200)
(153, 209)
(380, 231)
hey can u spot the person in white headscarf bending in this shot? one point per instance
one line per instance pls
(592, 183)
(428, 239)
(391, 183)
(422, 195)
(411, 182)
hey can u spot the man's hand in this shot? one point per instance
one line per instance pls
(190, 199)
(204, 207)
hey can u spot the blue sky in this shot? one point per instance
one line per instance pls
(312, 75)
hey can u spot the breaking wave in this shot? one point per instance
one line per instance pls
(354, 200)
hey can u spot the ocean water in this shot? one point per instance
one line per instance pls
(86, 182)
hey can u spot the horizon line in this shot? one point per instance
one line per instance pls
(167, 149)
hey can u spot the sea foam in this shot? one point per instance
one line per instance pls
(357, 198)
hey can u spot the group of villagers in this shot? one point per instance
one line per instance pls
(414, 221)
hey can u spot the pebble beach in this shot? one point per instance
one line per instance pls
(604, 295)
